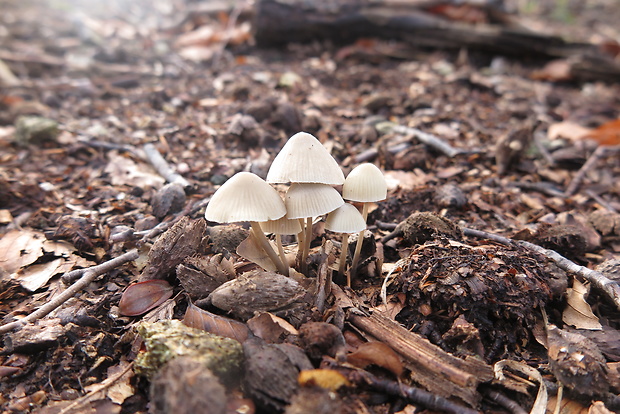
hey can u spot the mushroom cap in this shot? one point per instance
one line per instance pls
(365, 183)
(283, 225)
(303, 159)
(245, 197)
(311, 200)
(345, 219)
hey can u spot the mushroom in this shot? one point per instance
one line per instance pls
(345, 219)
(247, 197)
(304, 160)
(304, 201)
(283, 225)
(365, 184)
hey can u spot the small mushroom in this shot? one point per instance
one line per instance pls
(365, 184)
(303, 159)
(304, 201)
(283, 225)
(247, 197)
(345, 219)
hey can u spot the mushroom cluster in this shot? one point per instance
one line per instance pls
(305, 164)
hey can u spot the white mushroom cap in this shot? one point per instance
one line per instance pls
(245, 197)
(311, 200)
(365, 183)
(345, 219)
(303, 159)
(282, 225)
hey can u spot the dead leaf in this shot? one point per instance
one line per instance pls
(198, 318)
(555, 71)
(568, 130)
(516, 383)
(124, 171)
(567, 406)
(141, 297)
(578, 312)
(19, 248)
(36, 276)
(271, 328)
(606, 134)
(376, 353)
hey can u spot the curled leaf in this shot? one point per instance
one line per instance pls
(376, 353)
(215, 324)
(141, 297)
(578, 312)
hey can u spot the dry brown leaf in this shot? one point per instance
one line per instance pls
(606, 134)
(568, 130)
(578, 312)
(124, 171)
(198, 318)
(141, 297)
(271, 328)
(567, 406)
(19, 248)
(517, 383)
(555, 71)
(376, 353)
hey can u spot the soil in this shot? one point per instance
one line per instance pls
(86, 90)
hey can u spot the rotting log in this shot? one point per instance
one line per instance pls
(430, 366)
(277, 22)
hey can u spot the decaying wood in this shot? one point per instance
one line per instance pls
(279, 21)
(430, 366)
(180, 241)
(599, 280)
(88, 275)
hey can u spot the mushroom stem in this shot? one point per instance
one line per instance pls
(281, 250)
(307, 241)
(358, 245)
(266, 246)
(343, 257)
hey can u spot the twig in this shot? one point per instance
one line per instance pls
(411, 394)
(430, 140)
(600, 152)
(100, 387)
(88, 275)
(163, 226)
(598, 280)
(600, 200)
(504, 401)
(161, 165)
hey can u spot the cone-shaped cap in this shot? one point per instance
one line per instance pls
(282, 225)
(245, 197)
(311, 200)
(365, 183)
(303, 159)
(345, 219)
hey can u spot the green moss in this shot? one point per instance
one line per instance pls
(169, 339)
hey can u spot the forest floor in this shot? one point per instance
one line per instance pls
(89, 91)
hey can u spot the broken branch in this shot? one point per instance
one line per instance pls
(88, 275)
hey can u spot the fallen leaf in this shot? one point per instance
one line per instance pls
(376, 353)
(141, 297)
(198, 318)
(250, 249)
(555, 71)
(578, 312)
(515, 382)
(606, 134)
(271, 328)
(124, 171)
(568, 130)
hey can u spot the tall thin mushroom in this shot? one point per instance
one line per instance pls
(305, 201)
(279, 227)
(247, 197)
(346, 219)
(304, 160)
(365, 184)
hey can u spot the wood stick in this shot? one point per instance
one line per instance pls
(599, 280)
(431, 140)
(161, 165)
(88, 275)
(600, 152)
